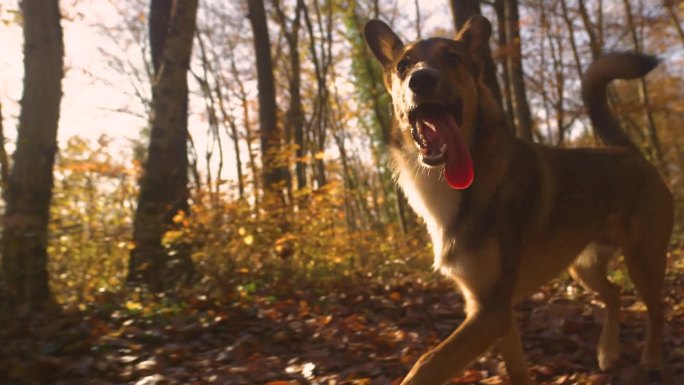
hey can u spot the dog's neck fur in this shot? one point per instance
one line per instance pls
(425, 188)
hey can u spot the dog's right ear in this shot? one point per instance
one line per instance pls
(475, 33)
(382, 41)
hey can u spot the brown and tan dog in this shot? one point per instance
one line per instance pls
(506, 216)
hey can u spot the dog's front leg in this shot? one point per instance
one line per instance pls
(511, 350)
(474, 336)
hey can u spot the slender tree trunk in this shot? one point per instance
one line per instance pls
(213, 133)
(418, 20)
(4, 160)
(672, 13)
(522, 114)
(29, 190)
(644, 95)
(462, 11)
(164, 184)
(571, 36)
(249, 132)
(322, 60)
(503, 46)
(595, 42)
(241, 93)
(294, 119)
(557, 55)
(233, 133)
(270, 135)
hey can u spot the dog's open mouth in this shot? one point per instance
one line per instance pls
(437, 133)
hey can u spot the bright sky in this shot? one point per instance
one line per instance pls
(87, 105)
(93, 91)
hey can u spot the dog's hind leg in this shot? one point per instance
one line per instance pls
(590, 271)
(511, 350)
(646, 266)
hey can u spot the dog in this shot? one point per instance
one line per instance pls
(505, 215)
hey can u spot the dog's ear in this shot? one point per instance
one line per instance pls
(475, 33)
(382, 41)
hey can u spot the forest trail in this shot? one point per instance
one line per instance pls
(351, 336)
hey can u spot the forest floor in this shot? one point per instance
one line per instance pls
(366, 333)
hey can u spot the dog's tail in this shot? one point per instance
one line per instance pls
(617, 65)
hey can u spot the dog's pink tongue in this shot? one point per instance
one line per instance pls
(458, 167)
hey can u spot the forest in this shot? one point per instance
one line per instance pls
(250, 230)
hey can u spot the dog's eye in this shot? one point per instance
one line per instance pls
(403, 65)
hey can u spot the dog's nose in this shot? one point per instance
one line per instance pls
(423, 81)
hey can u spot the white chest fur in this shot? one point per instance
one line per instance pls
(430, 197)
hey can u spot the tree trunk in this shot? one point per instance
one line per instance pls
(294, 118)
(321, 58)
(595, 42)
(4, 161)
(507, 95)
(571, 35)
(462, 11)
(644, 95)
(268, 125)
(669, 7)
(521, 109)
(241, 93)
(29, 192)
(164, 184)
(418, 20)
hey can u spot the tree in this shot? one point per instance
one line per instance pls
(516, 75)
(462, 11)
(164, 184)
(273, 174)
(294, 119)
(644, 94)
(4, 162)
(319, 25)
(29, 189)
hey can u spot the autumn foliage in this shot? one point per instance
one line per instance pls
(320, 273)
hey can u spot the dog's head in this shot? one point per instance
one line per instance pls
(435, 94)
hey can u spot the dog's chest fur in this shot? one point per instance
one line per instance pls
(430, 197)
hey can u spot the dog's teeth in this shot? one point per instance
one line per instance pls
(443, 148)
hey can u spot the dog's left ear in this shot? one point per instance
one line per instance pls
(384, 43)
(475, 33)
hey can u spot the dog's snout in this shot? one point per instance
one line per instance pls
(423, 81)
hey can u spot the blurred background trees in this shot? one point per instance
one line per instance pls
(264, 163)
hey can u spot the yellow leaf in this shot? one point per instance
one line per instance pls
(171, 236)
(178, 218)
(249, 240)
(133, 306)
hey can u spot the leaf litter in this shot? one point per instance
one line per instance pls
(365, 333)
